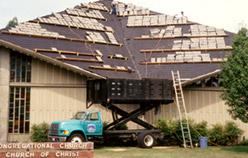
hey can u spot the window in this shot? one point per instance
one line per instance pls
(19, 110)
(19, 103)
(94, 117)
(20, 65)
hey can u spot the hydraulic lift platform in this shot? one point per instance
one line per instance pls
(148, 93)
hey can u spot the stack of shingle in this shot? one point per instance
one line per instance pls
(33, 29)
(202, 30)
(68, 20)
(94, 36)
(153, 20)
(81, 12)
(111, 38)
(99, 6)
(130, 9)
(203, 43)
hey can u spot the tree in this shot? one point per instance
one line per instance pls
(234, 78)
(12, 22)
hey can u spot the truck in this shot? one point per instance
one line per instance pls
(148, 94)
(88, 126)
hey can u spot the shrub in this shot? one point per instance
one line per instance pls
(168, 128)
(218, 134)
(232, 133)
(244, 143)
(225, 135)
(201, 129)
(198, 130)
(39, 132)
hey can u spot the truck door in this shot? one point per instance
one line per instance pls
(93, 124)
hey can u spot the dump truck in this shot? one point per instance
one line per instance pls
(88, 125)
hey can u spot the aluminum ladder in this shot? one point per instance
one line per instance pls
(183, 118)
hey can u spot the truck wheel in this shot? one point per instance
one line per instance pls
(146, 140)
(76, 138)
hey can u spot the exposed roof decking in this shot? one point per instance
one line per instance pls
(125, 49)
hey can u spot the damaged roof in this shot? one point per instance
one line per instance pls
(137, 43)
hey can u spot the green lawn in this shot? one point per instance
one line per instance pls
(171, 152)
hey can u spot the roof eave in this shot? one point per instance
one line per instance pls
(50, 60)
(198, 78)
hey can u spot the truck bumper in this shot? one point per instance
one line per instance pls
(57, 138)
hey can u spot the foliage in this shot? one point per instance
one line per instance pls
(232, 133)
(39, 132)
(122, 127)
(12, 22)
(244, 143)
(218, 134)
(198, 130)
(225, 135)
(173, 133)
(168, 127)
(234, 76)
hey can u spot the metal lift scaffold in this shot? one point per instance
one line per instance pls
(187, 140)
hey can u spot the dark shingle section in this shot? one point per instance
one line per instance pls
(131, 49)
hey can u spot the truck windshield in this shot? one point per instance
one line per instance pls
(79, 116)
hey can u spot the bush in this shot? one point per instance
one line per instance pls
(244, 143)
(39, 132)
(218, 134)
(225, 135)
(173, 133)
(232, 133)
(168, 127)
(201, 129)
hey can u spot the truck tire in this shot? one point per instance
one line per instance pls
(146, 140)
(76, 138)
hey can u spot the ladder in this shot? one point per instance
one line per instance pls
(187, 141)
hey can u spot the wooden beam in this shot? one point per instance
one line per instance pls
(79, 59)
(173, 37)
(110, 69)
(176, 50)
(115, 57)
(179, 62)
(66, 52)
(62, 38)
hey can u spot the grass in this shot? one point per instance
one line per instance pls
(171, 152)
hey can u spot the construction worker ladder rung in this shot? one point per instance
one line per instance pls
(181, 109)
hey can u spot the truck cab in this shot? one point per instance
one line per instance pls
(84, 126)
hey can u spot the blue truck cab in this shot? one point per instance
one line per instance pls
(84, 126)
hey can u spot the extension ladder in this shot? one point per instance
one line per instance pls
(187, 140)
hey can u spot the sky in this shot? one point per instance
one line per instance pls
(228, 14)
